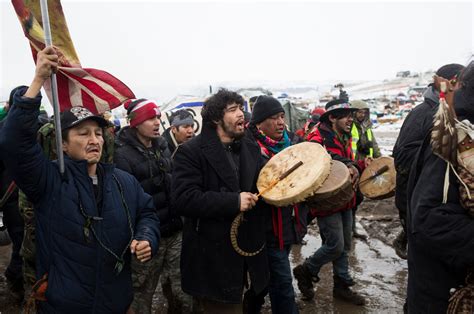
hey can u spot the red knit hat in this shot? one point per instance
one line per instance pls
(140, 110)
(318, 110)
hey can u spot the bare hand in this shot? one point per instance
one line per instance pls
(46, 63)
(142, 249)
(368, 160)
(354, 176)
(247, 201)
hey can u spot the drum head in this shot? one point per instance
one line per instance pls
(302, 182)
(382, 186)
(337, 178)
(336, 191)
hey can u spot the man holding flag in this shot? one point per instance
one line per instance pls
(86, 218)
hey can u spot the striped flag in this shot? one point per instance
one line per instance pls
(94, 89)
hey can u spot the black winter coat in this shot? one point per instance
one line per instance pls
(152, 168)
(416, 126)
(440, 236)
(206, 192)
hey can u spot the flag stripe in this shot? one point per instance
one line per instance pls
(75, 94)
(96, 89)
(63, 91)
(88, 99)
(107, 95)
(114, 82)
(82, 73)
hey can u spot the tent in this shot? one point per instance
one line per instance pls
(295, 117)
(192, 104)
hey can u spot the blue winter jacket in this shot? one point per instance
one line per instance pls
(82, 276)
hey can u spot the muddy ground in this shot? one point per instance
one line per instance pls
(381, 276)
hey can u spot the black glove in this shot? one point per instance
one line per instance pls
(364, 146)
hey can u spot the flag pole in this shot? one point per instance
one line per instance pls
(54, 87)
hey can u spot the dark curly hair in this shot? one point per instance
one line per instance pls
(214, 106)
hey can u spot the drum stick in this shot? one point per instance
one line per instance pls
(376, 174)
(281, 177)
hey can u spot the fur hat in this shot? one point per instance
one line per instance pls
(359, 104)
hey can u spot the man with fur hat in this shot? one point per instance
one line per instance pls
(364, 147)
(214, 179)
(285, 226)
(142, 152)
(88, 219)
(414, 129)
(334, 132)
(440, 220)
(364, 143)
(181, 129)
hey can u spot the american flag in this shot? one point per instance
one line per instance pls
(94, 89)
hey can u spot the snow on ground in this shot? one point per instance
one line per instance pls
(386, 134)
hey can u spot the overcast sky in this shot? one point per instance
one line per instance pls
(162, 48)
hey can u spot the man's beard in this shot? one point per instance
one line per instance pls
(231, 131)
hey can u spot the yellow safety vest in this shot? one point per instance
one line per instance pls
(355, 139)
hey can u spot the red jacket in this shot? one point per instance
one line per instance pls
(339, 150)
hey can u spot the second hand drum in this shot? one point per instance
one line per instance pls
(336, 191)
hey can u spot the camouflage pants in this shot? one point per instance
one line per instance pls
(28, 247)
(165, 264)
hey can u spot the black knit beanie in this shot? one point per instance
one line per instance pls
(264, 107)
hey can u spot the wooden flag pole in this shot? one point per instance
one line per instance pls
(54, 87)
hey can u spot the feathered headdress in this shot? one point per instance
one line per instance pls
(444, 140)
(444, 143)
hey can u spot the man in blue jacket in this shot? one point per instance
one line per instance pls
(87, 218)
